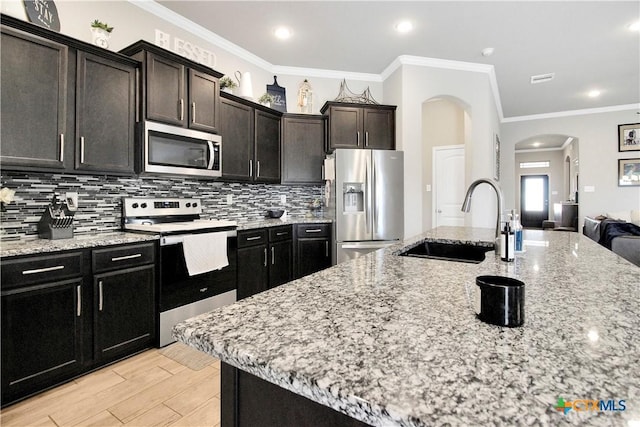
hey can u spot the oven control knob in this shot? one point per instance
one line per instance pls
(194, 204)
(134, 206)
(144, 205)
(188, 205)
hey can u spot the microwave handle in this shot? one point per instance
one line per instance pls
(211, 155)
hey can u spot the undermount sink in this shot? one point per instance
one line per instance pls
(461, 252)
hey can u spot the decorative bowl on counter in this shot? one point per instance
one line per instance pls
(274, 212)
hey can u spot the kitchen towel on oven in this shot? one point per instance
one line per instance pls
(205, 252)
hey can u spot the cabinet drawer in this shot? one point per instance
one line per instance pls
(252, 237)
(278, 234)
(41, 269)
(313, 230)
(122, 257)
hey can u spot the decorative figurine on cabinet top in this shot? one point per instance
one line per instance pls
(305, 97)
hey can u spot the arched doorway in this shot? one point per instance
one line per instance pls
(446, 126)
(554, 156)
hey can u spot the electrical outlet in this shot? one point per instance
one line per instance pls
(283, 199)
(71, 199)
(229, 199)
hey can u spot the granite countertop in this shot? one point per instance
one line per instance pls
(393, 340)
(79, 241)
(289, 220)
(87, 240)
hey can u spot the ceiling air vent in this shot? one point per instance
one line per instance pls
(541, 78)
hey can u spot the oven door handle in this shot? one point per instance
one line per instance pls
(178, 238)
(211, 155)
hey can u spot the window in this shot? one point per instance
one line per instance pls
(529, 165)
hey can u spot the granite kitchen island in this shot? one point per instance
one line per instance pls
(391, 340)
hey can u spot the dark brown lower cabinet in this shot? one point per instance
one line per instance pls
(313, 248)
(246, 400)
(124, 320)
(253, 274)
(265, 259)
(41, 336)
(66, 313)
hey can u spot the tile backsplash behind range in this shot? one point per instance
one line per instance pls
(100, 199)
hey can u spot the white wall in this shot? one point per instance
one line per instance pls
(418, 84)
(598, 157)
(131, 23)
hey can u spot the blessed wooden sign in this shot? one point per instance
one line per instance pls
(43, 13)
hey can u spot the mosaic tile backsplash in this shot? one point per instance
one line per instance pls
(100, 199)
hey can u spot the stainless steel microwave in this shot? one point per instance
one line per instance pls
(179, 151)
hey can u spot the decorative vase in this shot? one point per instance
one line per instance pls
(227, 89)
(100, 37)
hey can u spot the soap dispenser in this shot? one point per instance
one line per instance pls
(507, 242)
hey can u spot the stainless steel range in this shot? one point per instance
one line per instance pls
(197, 266)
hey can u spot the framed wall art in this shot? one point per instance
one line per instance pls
(629, 137)
(629, 172)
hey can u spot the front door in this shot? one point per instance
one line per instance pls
(534, 200)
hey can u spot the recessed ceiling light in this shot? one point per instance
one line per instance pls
(404, 26)
(594, 94)
(283, 33)
(537, 144)
(635, 26)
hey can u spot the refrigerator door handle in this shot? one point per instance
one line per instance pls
(369, 197)
(374, 207)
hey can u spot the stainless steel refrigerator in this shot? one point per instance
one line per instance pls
(366, 197)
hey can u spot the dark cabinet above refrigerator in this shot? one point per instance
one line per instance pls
(364, 126)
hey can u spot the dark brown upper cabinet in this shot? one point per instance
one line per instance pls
(250, 139)
(360, 125)
(66, 105)
(105, 114)
(176, 90)
(303, 145)
(34, 104)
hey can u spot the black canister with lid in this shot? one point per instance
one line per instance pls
(501, 301)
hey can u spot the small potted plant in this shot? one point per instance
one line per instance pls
(101, 33)
(266, 99)
(227, 85)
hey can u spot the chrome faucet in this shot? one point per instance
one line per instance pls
(466, 206)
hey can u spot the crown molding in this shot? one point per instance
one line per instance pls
(322, 73)
(600, 110)
(168, 15)
(199, 31)
(448, 64)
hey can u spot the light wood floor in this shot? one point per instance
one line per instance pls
(149, 389)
